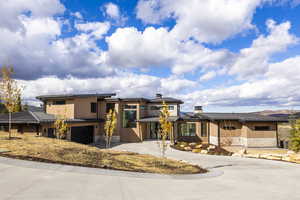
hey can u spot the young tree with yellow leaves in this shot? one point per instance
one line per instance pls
(110, 126)
(61, 127)
(294, 143)
(10, 94)
(165, 128)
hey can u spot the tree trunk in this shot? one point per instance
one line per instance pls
(9, 125)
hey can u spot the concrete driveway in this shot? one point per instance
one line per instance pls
(242, 179)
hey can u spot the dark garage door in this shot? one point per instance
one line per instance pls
(82, 134)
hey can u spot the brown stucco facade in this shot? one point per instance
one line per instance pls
(138, 120)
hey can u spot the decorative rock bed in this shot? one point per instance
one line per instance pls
(202, 148)
(211, 149)
(294, 158)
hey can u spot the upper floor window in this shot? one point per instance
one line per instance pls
(59, 102)
(93, 107)
(160, 107)
(129, 116)
(262, 128)
(110, 106)
(143, 107)
(229, 128)
(187, 129)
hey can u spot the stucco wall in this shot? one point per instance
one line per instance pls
(83, 108)
(61, 110)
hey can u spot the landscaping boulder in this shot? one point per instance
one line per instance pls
(291, 152)
(187, 148)
(196, 150)
(274, 157)
(199, 146)
(236, 155)
(204, 151)
(286, 158)
(192, 144)
(243, 151)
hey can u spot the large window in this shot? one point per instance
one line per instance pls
(59, 102)
(262, 128)
(229, 128)
(110, 106)
(187, 129)
(93, 107)
(160, 107)
(203, 129)
(129, 116)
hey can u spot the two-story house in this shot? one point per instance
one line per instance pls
(138, 120)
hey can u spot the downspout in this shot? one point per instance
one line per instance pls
(208, 130)
(219, 134)
(277, 139)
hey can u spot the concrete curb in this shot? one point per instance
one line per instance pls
(107, 172)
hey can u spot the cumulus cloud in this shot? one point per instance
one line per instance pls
(95, 29)
(124, 84)
(278, 88)
(113, 12)
(12, 9)
(254, 60)
(206, 21)
(208, 76)
(32, 42)
(153, 47)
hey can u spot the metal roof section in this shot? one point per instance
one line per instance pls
(242, 117)
(67, 96)
(24, 117)
(166, 100)
(156, 119)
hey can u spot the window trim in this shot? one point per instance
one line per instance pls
(62, 102)
(262, 128)
(187, 129)
(93, 109)
(129, 107)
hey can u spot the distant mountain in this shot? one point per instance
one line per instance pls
(286, 114)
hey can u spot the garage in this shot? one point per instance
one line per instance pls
(82, 134)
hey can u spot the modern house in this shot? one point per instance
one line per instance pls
(138, 120)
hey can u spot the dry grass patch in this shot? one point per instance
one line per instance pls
(43, 149)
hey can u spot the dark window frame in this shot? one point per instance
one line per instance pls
(59, 102)
(93, 107)
(187, 132)
(129, 120)
(229, 128)
(204, 129)
(110, 107)
(262, 128)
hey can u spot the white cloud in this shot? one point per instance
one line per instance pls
(208, 76)
(153, 47)
(12, 9)
(124, 84)
(254, 60)
(206, 21)
(96, 29)
(112, 10)
(279, 87)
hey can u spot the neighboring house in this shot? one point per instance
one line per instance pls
(138, 120)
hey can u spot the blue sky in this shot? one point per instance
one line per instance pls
(227, 55)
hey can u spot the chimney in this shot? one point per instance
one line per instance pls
(159, 96)
(198, 109)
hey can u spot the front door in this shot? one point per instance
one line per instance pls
(154, 130)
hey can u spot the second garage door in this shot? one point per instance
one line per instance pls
(82, 134)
